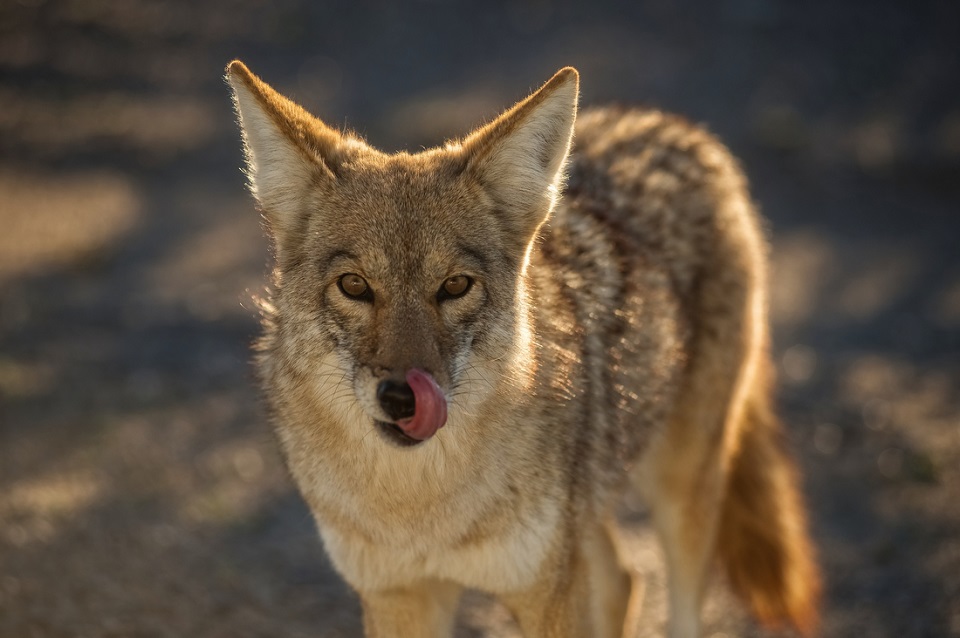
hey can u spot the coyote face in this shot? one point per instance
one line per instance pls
(400, 276)
(395, 276)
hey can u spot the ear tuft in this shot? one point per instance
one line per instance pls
(566, 74)
(519, 157)
(238, 69)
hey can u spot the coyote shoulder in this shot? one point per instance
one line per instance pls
(471, 352)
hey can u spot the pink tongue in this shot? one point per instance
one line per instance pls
(430, 411)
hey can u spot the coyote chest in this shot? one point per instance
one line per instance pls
(479, 543)
(442, 511)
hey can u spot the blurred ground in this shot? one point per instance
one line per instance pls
(140, 490)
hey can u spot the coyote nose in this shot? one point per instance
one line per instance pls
(397, 399)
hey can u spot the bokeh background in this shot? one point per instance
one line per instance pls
(141, 493)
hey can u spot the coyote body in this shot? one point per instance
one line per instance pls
(580, 345)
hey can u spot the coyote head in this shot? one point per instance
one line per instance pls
(398, 281)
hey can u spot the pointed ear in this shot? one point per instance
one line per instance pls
(519, 157)
(287, 149)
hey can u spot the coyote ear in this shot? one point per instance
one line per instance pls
(287, 149)
(519, 157)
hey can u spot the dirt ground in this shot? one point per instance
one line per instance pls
(141, 493)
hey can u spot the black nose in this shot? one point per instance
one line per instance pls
(396, 399)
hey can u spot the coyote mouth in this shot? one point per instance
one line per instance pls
(416, 408)
(392, 433)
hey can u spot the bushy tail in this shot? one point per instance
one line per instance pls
(763, 542)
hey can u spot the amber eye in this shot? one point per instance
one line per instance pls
(453, 287)
(355, 286)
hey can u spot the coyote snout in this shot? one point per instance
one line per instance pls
(416, 405)
(408, 406)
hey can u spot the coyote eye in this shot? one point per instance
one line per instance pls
(453, 287)
(355, 286)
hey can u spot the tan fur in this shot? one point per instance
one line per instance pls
(612, 337)
(762, 540)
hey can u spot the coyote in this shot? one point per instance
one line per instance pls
(469, 354)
